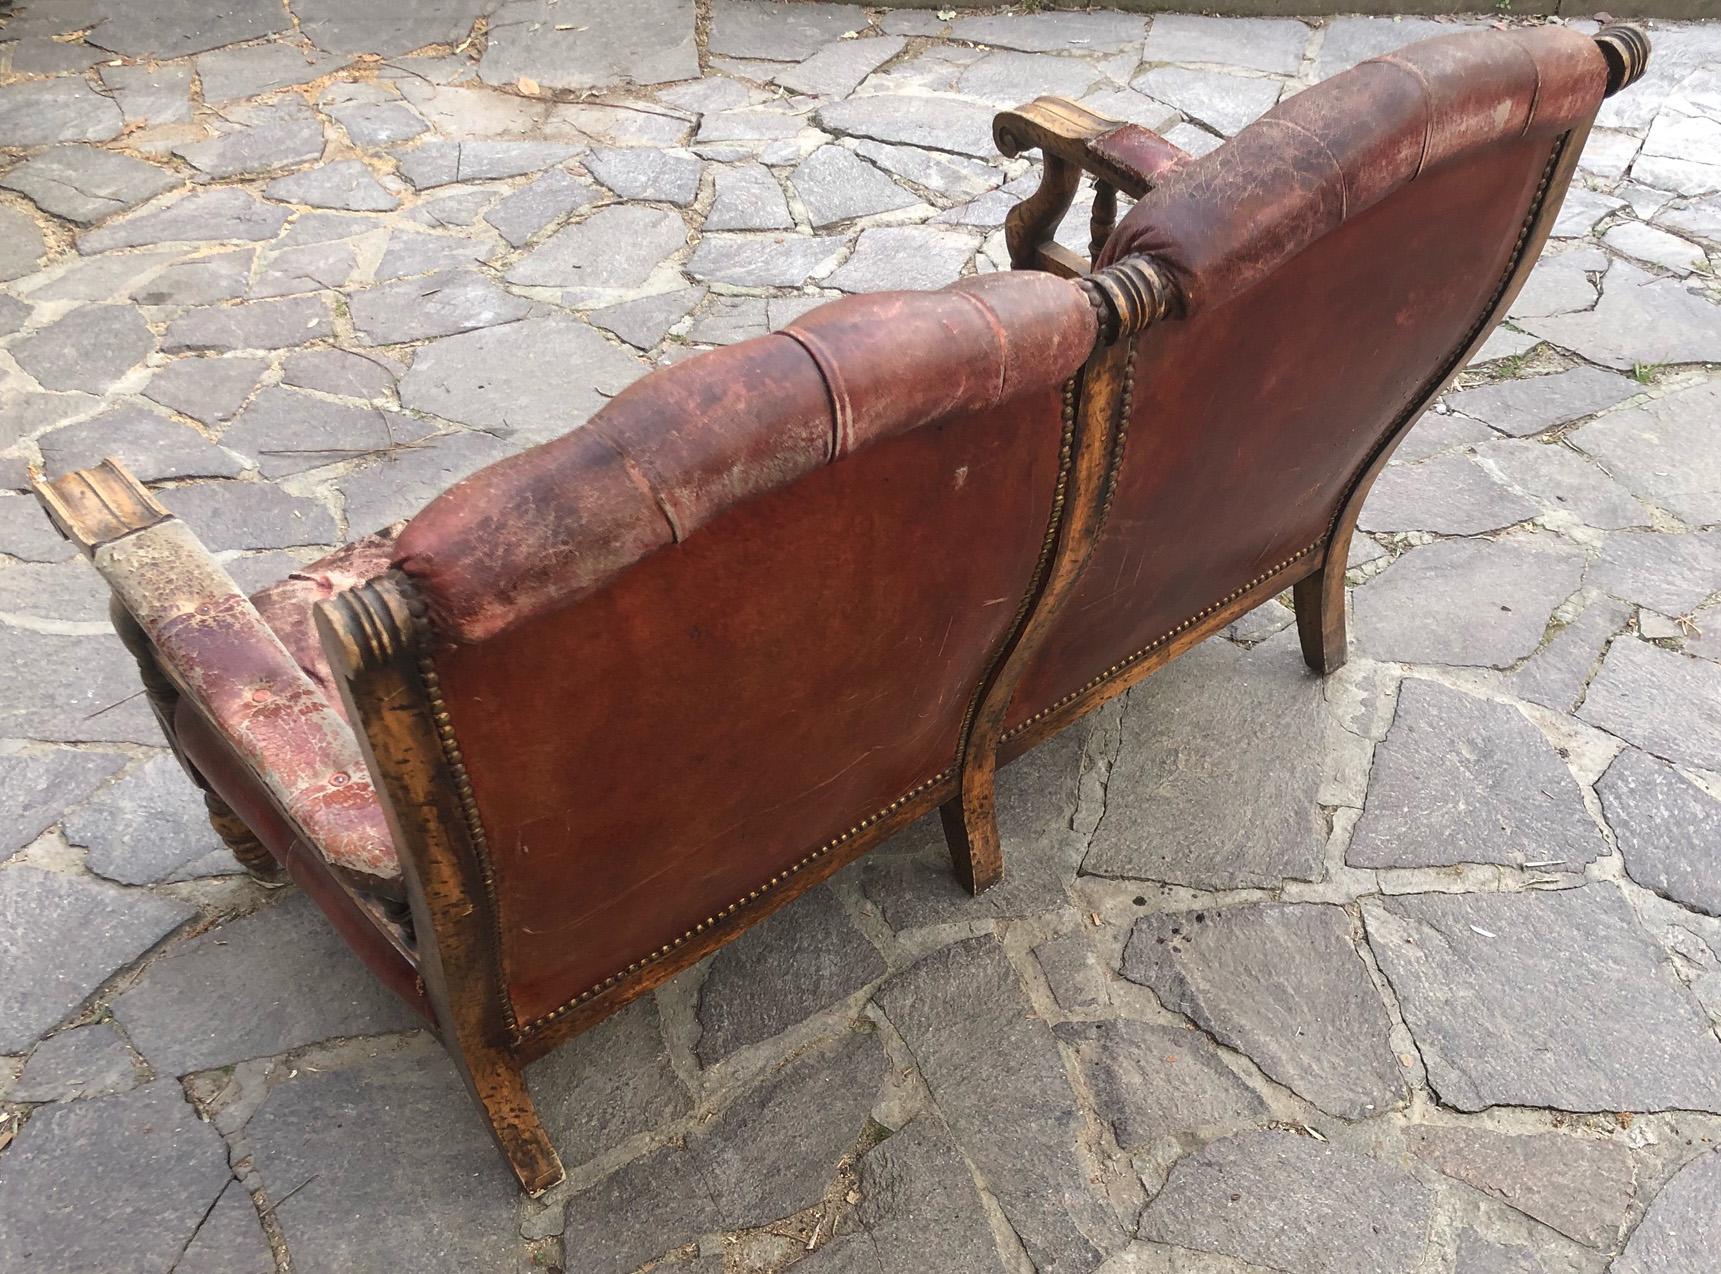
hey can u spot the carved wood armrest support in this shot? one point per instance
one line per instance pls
(1073, 140)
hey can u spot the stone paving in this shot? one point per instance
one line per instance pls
(1418, 969)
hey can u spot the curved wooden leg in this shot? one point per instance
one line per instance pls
(970, 821)
(1320, 606)
(495, 1079)
(242, 842)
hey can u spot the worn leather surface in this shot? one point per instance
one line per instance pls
(1140, 152)
(544, 528)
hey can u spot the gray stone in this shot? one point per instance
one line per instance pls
(834, 185)
(80, 689)
(1261, 44)
(404, 481)
(26, 534)
(545, 201)
(1477, 1255)
(348, 1145)
(755, 126)
(1657, 247)
(13, 314)
(1224, 103)
(646, 173)
(148, 827)
(996, 1073)
(1634, 446)
(845, 1254)
(1283, 984)
(86, 1061)
(1448, 495)
(455, 206)
(1492, 600)
(88, 350)
(150, 95)
(493, 379)
(1230, 804)
(1286, 1202)
(169, 29)
(85, 184)
(932, 121)
(390, 29)
(205, 216)
(1674, 574)
(1011, 78)
(279, 143)
(751, 29)
(727, 319)
(440, 163)
(1564, 481)
(801, 960)
(311, 268)
(34, 55)
(431, 305)
(230, 1240)
(209, 390)
(258, 986)
(21, 244)
(748, 198)
(763, 260)
(774, 1151)
(643, 323)
(1556, 675)
(1152, 1083)
(1580, 1186)
(1465, 780)
(150, 445)
(653, 1205)
(1581, 211)
(1641, 318)
(38, 787)
(950, 175)
(325, 227)
(66, 592)
(1054, 32)
(100, 278)
(610, 1083)
(377, 124)
(347, 373)
(43, 112)
(288, 432)
(110, 1183)
(1528, 406)
(1554, 999)
(223, 276)
(920, 1207)
(582, 44)
(1352, 40)
(886, 258)
(1668, 829)
(1560, 283)
(347, 185)
(836, 69)
(412, 252)
(1665, 703)
(273, 324)
(1677, 1234)
(1074, 971)
(1272, 616)
(250, 515)
(61, 937)
(227, 75)
(615, 247)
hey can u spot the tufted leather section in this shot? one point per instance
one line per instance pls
(1333, 151)
(544, 528)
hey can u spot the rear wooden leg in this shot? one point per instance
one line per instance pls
(495, 1079)
(242, 842)
(1320, 606)
(971, 829)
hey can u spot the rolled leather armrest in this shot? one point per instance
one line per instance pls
(1129, 157)
(211, 643)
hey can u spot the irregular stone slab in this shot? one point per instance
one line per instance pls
(608, 1084)
(89, 349)
(37, 788)
(1356, 39)
(258, 986)
(1018, 77)
(845, 1254)
(750, 29)
(653, 1205)
(228, 75)
(85, 184)
(1284, 985)
(170, 29)
(1231, 804)
(271, 324)
(835, 185)
(43, 112)
(546, 200)
(207, 216)
(1634, 446)
(440, 163)
(267, 147)
(210, 390)
(1673, 574)
(640, 173)
(1492, 599)
(1477, 1255)
(454, 207)
(887, 258)
(1640, 318)
(347, 185)
(404, 481)
(1155, 1082)
(86, 1061)
(311, 268)
(1448, 495)
(250, 515)
(1566, 482)
(774, 1151)
(27, 535)
(488, 379)
(645, 322)
(1464, 780)
(1224, 103)
(146, 1170)
(150, 95)
(80, 689)
(224, 276)
(1053, 32)
(288, 432)
(36, 56)
(148, 827)
(836, 69)
(150, 445)
(1678, 1231)
(748, 198)
(1554, 999)
(389, 29)
(378, 124)
(339, 371)
(412, 252)
(1668, 829)
(438, 304)
(230, 1240)
(1074, 971)
(931, 121)
(615, 247)
(801, 960)
(1580, 1186)
(61, 937)
(62, 591)
(1665, 703)
(962, 1012)
(643, 42)
(1556, 675)
(1657, 247)
(349, 1143)
(949, 175)
(1529, 406)
(763, 260)
(1261, 44)
(1560, 284)
(21, 244)
(1287, 1202)
(920, 1207)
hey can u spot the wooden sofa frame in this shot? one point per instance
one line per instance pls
(382, 644)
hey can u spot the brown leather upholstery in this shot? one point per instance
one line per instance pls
(1139, 152)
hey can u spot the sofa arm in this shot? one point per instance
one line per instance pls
(1073, 140)
(210, 643)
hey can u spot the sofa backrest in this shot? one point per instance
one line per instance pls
(1332, 266)
(698, 643)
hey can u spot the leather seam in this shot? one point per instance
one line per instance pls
(1000, 341)
(842, 411)
(1338, 168)
(642, 482)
